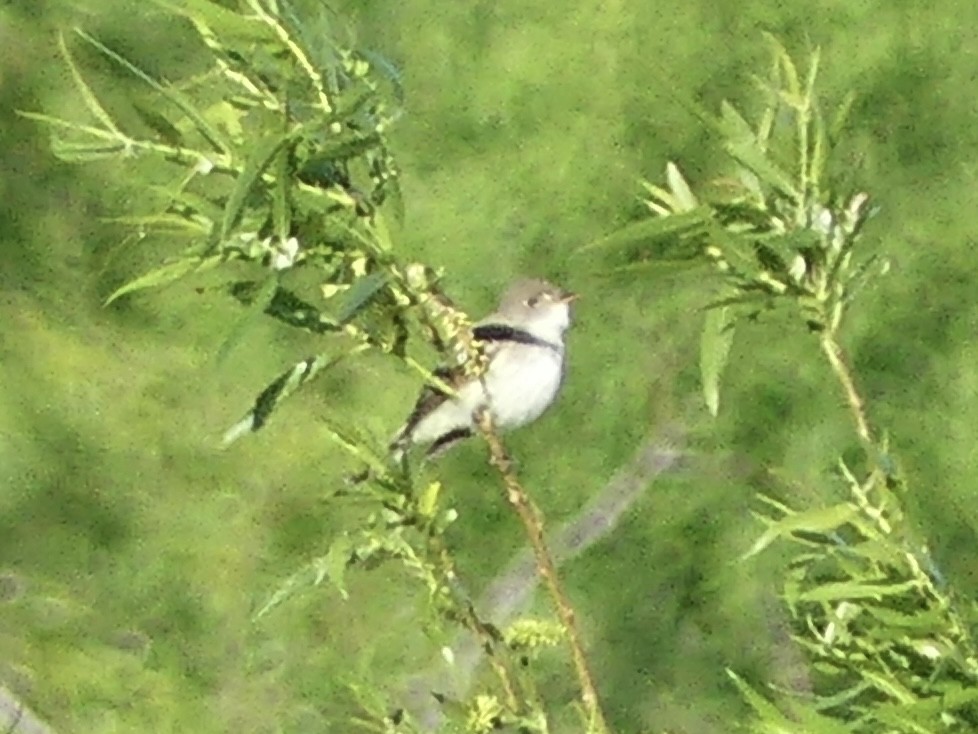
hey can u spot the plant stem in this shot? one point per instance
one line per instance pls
(838, 363)
(471, 619)
(533, 523)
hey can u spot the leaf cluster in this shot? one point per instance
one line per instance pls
(274, 162)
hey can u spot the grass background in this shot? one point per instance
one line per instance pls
(132, 551)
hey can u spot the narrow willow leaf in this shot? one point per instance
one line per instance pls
(733, 126)
(849, 590)
(159, 124)
(334, 564)
(162, 223)
(781, 55)
(165, 275)
(771, 719)
(753, 158)
(889, 685)
(715, 342)
(215, 16)
(841, 116)
(312, 575)
(281, 209)
(91, 100)
(646, 230)
(262, 156)
(819, 520)
(681, 192)
(207, 131)
(249, 318)
(661, 201)
(279, 389)
(360, 294)
(73, 152)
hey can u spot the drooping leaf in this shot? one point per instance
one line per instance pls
(207, 131)
(166, 274)
(278, 390)
(249, 318)
(715, 342)
(260, 159)
(90, 98)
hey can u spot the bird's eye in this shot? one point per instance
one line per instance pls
(532, 301)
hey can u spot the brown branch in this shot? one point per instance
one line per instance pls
(533, 523)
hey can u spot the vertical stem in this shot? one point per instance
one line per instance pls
(837, 361)
(530, 516)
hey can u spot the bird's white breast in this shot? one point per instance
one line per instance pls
(522, 382)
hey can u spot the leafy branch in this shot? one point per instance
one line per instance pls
(888, 641)
(275, 158)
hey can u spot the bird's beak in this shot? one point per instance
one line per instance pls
(569, 297)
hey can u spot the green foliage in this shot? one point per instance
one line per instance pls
(889, 645)
(281, 162)
(481, 79)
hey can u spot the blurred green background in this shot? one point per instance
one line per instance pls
(132, 551)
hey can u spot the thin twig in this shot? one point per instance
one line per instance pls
(533, 523)
(838, 363)
(470, 618)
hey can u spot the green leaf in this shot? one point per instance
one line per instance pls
(169, 223)
(733, 126)
(334, 564)
(77, 152)
(281, 209)
(216, 17)
(771, 718)
(428, 501)
(165, 275)
(91, 100)
(275, 392)
(159, 124)
(743, 145)
(849, 590)
(715, 341)
(646, 230)
(252, 315)
(207, 131)
(681, 192)
(753, 158)
(818, 520)
(331, 566)
(262, 156)
(360, 294)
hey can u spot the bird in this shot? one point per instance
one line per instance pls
(525, 349)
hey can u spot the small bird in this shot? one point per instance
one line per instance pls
(525, 350)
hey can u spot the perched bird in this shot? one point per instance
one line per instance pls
(525, 351)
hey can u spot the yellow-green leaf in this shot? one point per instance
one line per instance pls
(715, 341)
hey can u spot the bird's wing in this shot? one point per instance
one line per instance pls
(430, 397)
